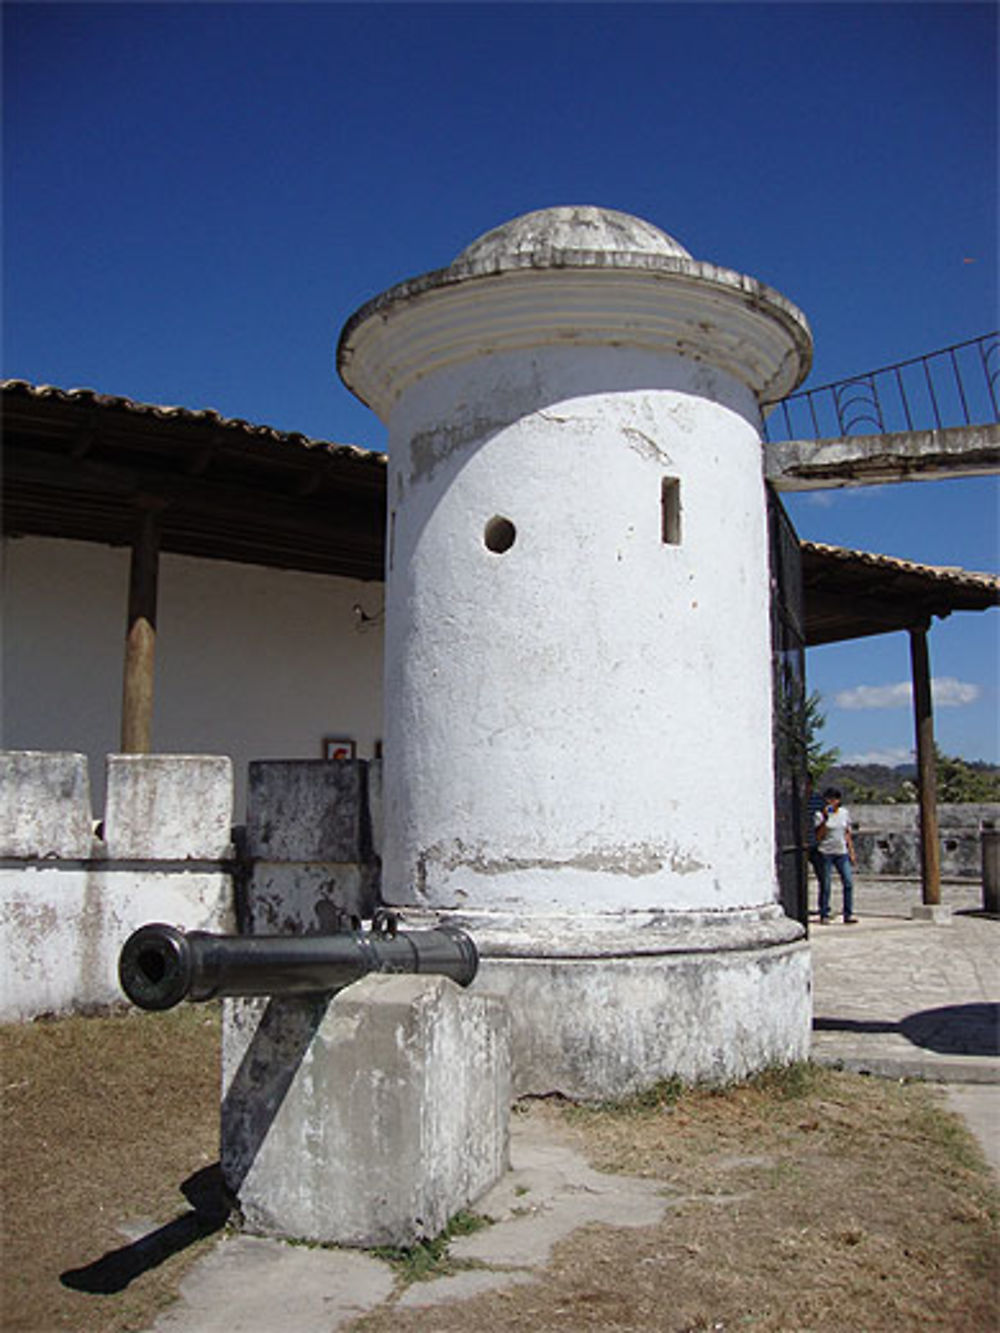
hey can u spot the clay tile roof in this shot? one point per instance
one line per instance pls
(951, 574)
(181, 416)
(849, 594)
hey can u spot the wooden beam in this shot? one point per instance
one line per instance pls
(923, 712)
(140, 637)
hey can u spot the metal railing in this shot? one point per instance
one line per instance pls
(956, 386)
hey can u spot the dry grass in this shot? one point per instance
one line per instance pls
(104, 1119)
(806, 1201)
(819, 1201)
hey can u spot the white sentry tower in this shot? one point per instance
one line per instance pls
(578, 745)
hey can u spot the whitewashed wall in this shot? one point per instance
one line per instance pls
(253, 663)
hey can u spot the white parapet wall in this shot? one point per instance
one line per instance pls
(887, 838)
(69, 899)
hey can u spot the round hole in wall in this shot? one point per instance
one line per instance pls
(499, 534)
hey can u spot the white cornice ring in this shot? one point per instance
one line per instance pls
(657, 302)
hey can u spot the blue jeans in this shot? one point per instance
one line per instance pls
(842, 862)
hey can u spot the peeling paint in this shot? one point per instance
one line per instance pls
(646, 446)
(430, 448)
(636, 861)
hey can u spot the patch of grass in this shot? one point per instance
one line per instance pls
(787, 1082)
(933, 1124)
(430, 1258)
(784, 1082)
(662, 1095)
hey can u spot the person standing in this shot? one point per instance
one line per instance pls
(814, 804)
(836, 849)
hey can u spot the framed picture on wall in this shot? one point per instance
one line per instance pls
(339, 747)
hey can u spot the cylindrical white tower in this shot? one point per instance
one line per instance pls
(578, 699)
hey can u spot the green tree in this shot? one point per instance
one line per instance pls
(959, 782)
(818, 758)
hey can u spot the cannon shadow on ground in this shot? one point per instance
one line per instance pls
(253, 1098)
(210, 1208)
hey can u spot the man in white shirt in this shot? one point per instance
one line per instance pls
(836, 848)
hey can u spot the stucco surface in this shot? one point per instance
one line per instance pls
(586, 227)
(602, 1028)
(169, 806)
(563, 724)
(62, 928)
(44, 805)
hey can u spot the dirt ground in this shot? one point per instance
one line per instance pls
(104, 1120)
(811, 1200)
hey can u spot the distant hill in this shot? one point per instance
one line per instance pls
(959, 780)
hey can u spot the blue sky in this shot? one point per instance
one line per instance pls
(197, 196)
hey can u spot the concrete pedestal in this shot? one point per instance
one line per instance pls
(602, 1008)
(939, 914)
(369, 1119)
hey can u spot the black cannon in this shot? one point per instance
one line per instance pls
(160, 965)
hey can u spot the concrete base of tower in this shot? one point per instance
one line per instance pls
(602, 1009)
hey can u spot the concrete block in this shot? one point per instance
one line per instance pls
(376, 805)
(939, 914)
(367, 1119)
(45, 805)
(308, 810)
(169, 807)
(307, 898)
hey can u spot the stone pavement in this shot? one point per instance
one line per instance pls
(892, 996)
(915, 999)
(250, 1285)
(905, 998)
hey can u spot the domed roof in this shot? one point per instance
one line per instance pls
(580, 228)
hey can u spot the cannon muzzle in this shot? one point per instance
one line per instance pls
(160, 965)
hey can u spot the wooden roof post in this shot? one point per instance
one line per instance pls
(923, 713)
(140, 636)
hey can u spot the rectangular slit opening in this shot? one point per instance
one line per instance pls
(670, 511)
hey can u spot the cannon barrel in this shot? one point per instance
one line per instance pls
(160, 965)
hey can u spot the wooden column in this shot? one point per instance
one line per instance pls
(140, 637)
(923, 713)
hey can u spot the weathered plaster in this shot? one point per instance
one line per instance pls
(875, 460)
(366, 1119)
(62, 928)
(602, 1028)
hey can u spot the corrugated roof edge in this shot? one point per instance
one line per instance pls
(194, 416)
